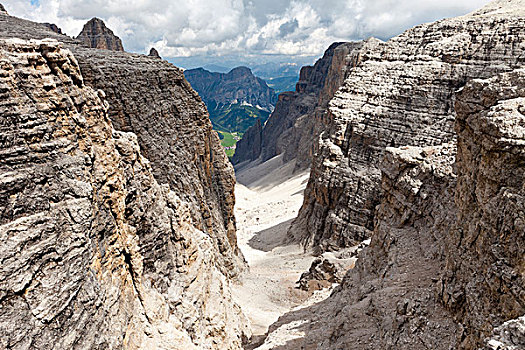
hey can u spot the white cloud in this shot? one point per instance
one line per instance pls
(236, 27)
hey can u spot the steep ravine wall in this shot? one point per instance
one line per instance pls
(401, 92)
(113, 239)
(151, 98)
(445, 266)
(484, 284)
(297, 119)
(95, 253)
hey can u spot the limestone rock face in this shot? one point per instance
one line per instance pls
(96, 253)
(484, 283)
(444, 269)
(298, 116)
(151, 98)
(388, 300)
(400, 92)
(96, 35)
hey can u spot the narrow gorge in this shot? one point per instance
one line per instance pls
(380, 206)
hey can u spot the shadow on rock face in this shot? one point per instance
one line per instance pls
(273, 237)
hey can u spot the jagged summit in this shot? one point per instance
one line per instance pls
(96, 35)
(3, 10)
(53, 27)
(153, 53)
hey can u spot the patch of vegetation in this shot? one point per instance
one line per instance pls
(228, 141)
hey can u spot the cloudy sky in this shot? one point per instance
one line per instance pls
(253, 29)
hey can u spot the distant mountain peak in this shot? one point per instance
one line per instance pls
(235, 99)
(241, 69)
(96, 35)
(153, 53)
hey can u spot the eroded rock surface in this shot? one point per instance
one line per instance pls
(297, 120)
(96, 35)
(484, 283)
(388, 300)
(104, 248)
(400, 92)
(444, 269)
(151, 98)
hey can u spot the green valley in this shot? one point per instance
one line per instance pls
(228, 141)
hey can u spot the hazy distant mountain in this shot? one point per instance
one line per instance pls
(282, 84)
(235, 100)
(276, 70)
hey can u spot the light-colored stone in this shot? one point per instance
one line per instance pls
(400, 92)
(96, 254)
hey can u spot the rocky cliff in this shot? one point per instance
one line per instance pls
(96, 35)
(298, 118)
(444, 269)
(112, 239)
(484, 284)
(151, 98)
(400, 92)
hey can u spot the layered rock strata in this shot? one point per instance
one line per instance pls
(151, 98)
(484, 284)
(103, 247)
(444, 269)
(388, 300)
(96, 35)
(297, 119)
(400, 92)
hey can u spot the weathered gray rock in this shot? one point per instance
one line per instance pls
(400, 92)
(96, 35)
(297, 119)
(151, 98)
(444, 269)
(484, 284)
(95, 253)
(321, 274)
(388, 300)
(508, 336)
(159, 239)
(3, 10)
